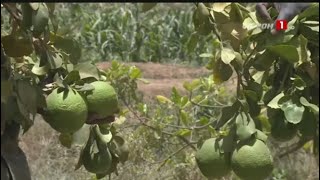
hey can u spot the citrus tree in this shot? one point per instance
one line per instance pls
(276, 92)
(41, 74)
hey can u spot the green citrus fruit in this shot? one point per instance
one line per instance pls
(211, 162)
(252, 160)
(103, 100)
(66, 111)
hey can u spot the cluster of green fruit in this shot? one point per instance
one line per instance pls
(67, 112)
(250, 160)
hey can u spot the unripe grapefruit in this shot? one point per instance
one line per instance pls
(211, 162)
(66, 111)
(103, 100)
(252, 160)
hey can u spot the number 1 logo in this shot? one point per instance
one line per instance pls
(281, 25)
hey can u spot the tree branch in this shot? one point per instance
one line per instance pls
(294, 148)
(12, 12)
(155, 129)
(205, 106)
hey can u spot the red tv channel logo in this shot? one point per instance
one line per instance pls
(281, 25)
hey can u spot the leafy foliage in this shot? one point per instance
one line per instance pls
(276, 75)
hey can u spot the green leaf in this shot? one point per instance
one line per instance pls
(202, 11)
(17, 46)
(236, 14)
(134, 72)
(84, 87)
(261, 136)
(34, 6)
(87, 70)
(6, 90)
(313, 10)
(71, 77)
(306, 103)
(258, 76)
(251, 23)
(14, 160)
(184, 117)
(286, 52)
(27, 94)
(219, 7)
(81, 136)
(147, 6)
(53, 20)
(292, 111)
(119, 120)
(193, 85)
(203, 120)
(227, 143)
(145, 81)
(308, 125)
(39, 71)
(227, 55)
(79, 163)
(175, 96)
(245, 132)
(51, 7)
(256, 87)
(26, 15)
(227, 113)
(163, 100)
(241, 119)
(104, 137)
(65, 140)
(54, 60)
(299, 83)
(262, 118)
(40, 19)
(206, 55)
(221, 72)
(192, 42)
(184, 102)
(251, 94)
(304, 54)
(68, 45)
(183, 132)
(274, 102)
(245, 127)
(122, 149)
(254, 108)
(263, 61)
